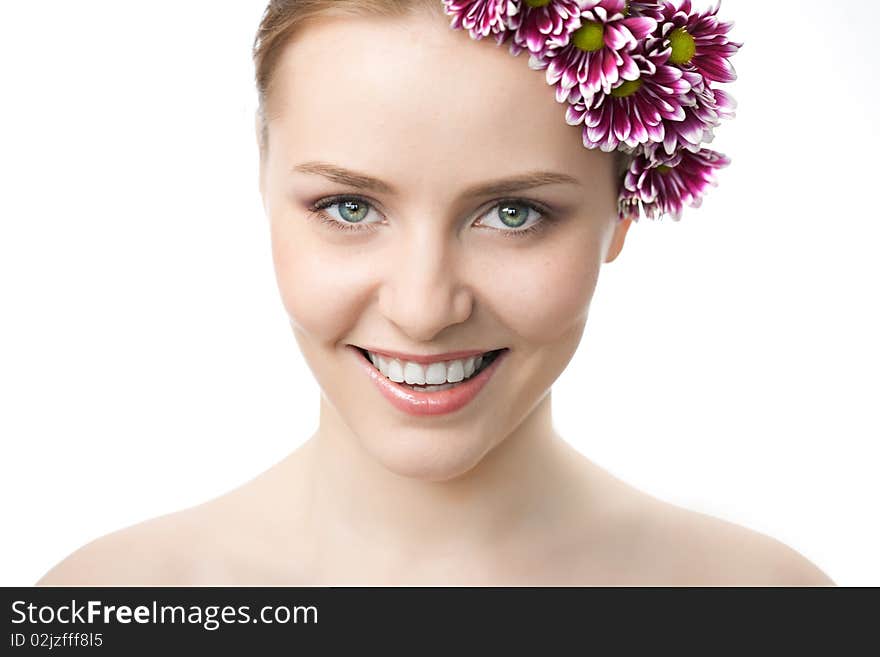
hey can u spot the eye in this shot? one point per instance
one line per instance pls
(352, 212)
(512, 217)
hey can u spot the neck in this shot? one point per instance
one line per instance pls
(516, 490)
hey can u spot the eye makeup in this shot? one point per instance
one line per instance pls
(317, 213)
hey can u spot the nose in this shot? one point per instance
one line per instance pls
(426, 290)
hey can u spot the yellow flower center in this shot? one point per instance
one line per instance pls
(664, 169)
(628, 88)
(590, 36)
(683, 46)
(537, 3)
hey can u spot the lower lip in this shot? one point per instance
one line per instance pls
(428, 403)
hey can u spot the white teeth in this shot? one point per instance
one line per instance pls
(455, 371)
(393, 370)
(439, 373)
(435, 373)
(413, 373)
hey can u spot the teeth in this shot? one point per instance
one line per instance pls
(435, 373)
(455, 371)
(393, 369)
(451, 371)
(414, 373)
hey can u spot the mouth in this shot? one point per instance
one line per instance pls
(415, 388)
(427, 377)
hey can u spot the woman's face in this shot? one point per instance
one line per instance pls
(419, 262)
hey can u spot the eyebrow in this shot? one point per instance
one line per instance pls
(501, 186)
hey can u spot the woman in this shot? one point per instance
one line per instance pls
(437, 233)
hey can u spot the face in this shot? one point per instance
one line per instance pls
(409, 256)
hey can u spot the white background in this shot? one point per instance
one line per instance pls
(730, 360)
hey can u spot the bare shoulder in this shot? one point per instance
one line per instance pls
(219, 542)
(697, 549)
(148, 553)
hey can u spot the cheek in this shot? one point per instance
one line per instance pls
(320, 286)
(538, 293)
(548, 292)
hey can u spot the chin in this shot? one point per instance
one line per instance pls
(426, 454)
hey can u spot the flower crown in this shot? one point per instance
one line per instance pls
(638, 76)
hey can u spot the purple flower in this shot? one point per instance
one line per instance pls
(700, 118)
(541, 25)
(637, 75)
(598, 53)
(482, 18)
(662, 184)
(636, 110)
(698, 40)
(645, 8)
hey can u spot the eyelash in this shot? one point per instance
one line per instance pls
(316, 212)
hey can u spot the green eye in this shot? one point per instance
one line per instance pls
(513, 215)
(353, 210)
(510, 217)
(350, 212)
(517, 217)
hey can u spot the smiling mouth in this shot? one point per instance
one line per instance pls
(458, 372)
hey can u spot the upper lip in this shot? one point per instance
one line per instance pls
(426, 358)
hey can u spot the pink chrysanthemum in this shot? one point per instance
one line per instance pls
(699, 40)
(638, 75)
(709, 107)
(647, 8)
(541, 25)
(663, 184)
(598, 54)
(635, 111)
(482, 18)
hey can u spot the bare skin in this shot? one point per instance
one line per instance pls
(490, 494)
(605, 533)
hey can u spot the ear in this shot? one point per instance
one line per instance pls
(617, 239)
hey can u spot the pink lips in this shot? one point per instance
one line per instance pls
(428, 403)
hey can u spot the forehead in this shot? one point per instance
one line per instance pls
(409, 99)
